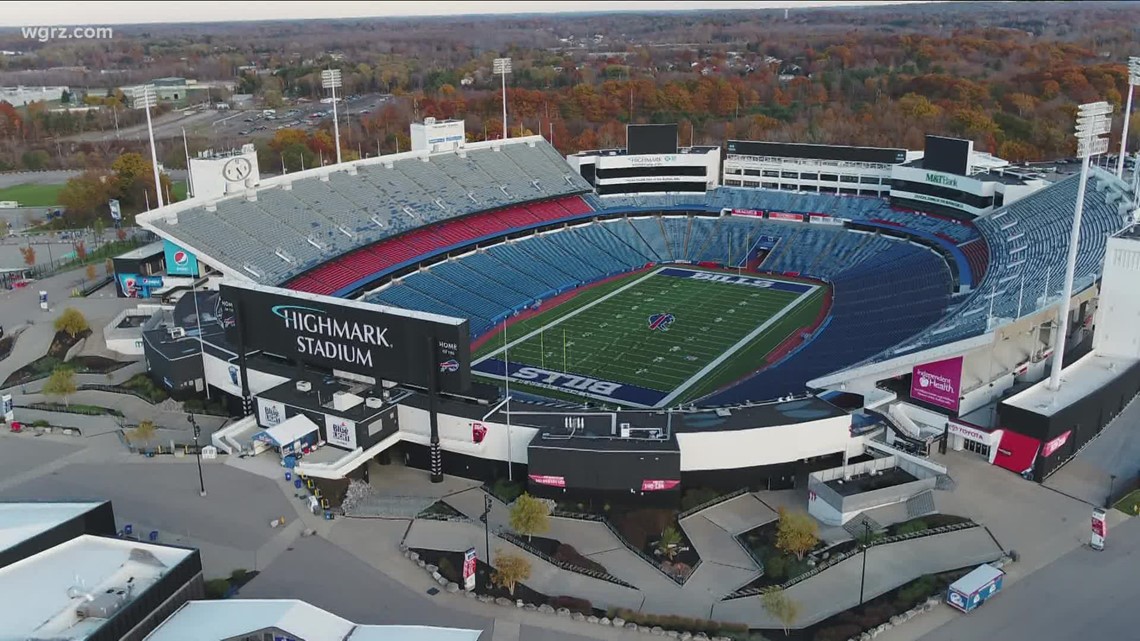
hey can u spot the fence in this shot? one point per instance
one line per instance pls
(711, 502)
(74, 409)
(644, 557)
(522, 543)
(751, 592)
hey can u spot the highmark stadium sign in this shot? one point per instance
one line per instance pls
(385, 343)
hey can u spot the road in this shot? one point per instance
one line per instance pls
(1084, 594)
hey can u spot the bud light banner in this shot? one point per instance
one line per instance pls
(938, 383)
(179, 262)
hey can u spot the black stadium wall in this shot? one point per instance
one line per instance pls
(1086, 418)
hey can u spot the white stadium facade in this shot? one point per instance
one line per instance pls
(942, 324)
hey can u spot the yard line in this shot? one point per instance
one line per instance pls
(735, 348)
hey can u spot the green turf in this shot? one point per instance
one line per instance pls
(30, 195)
(178, 190)
(611, 340)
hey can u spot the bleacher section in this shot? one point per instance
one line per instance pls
(489, 284)
(424, 242)
(1028, 245)
(306, 222)
(876, 303)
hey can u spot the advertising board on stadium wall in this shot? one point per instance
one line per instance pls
(821, 219)
(385, 343)
(747, 212)
(938, 383)
(779, 215)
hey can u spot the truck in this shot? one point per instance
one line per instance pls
(975, 588)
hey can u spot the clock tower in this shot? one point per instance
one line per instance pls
(214, 174)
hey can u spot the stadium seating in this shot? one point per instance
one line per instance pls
(310, 220)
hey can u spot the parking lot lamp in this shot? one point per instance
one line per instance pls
(144, 97)
(330, 79)
(197, 454)
(1133, 80)
(1093, 122)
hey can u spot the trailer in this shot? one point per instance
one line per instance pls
(975, 588)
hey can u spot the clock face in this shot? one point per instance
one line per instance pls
(237, 169)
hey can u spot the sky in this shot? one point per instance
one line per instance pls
(21, 14)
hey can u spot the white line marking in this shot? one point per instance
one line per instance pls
(704, 371)
(567, 317)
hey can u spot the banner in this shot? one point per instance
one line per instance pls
(1055, 444)
(7, 408)
(747, 212)
(938, 383)
(553, 481)
(470, 562)
(821, 219)
(116, 210)
(270, 413)
(654, 485)
(179, 262)
(135, 286)
(1099, 529)
(340, 432)
(779, 215)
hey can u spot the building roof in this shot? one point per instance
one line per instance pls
(42, 592)
(1078, 380)
(219, 620)
(22, 521)
(146, 251)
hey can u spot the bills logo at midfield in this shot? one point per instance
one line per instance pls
(449, 366)
(661, 322)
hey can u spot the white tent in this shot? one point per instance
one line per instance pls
(288, 431)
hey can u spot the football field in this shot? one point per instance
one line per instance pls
(653, 339)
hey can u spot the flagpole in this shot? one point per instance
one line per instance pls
(1020, 295)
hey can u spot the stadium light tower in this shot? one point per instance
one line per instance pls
(1093, 122)
(144, 97)
(1133, 80)
(330, 79)
(502, 66)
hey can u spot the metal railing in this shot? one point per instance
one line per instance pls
(711, 502)
(629, 546)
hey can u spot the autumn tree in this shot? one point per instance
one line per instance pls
(91, 272)
(61, 383)
(72, 322)
(530, 516)
(144, 431)
(109, 267)
(84, 195)
(80, 250)
(120, 234)
(783, 608)
(510, 570)
(29, 255)
(796, 533)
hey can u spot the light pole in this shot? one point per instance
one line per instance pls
(487, 526)
(502, 66)
(1133, 80)
(866, 544)
(330, 79)
(1093, 122)
(197, 454)
(144, 97)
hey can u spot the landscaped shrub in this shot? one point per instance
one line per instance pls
(572, 603)
(216, 588)
(910, 527)
(917, 590)
(507, 491)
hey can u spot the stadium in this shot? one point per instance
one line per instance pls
(638, 341)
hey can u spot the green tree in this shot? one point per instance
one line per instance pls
(785, 609)
(35, 160)
(98, 226)
(72, 322)
(4, 228)
(61, 383)
(510, 570)
(84, 195)
(796, 533)
(530, 516)
(144, 431)
(670, 543)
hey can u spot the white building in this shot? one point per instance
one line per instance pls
(214, 174)
(948, 178)
(438, 135)
(285, 619)
(615, 171)
(20, 96)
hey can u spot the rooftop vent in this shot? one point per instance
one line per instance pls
(251, 195)
(373, 402)
(304, 386)
(287, 187)
(211, 207)
(324, 178)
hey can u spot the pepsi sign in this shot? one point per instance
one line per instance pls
(179, 262)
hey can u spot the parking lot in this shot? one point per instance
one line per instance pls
(251, 123)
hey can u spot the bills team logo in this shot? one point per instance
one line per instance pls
(661, 322)
(181, 258)
(449, 366)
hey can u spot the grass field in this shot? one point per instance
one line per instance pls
(720, 331)
(30, 195)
